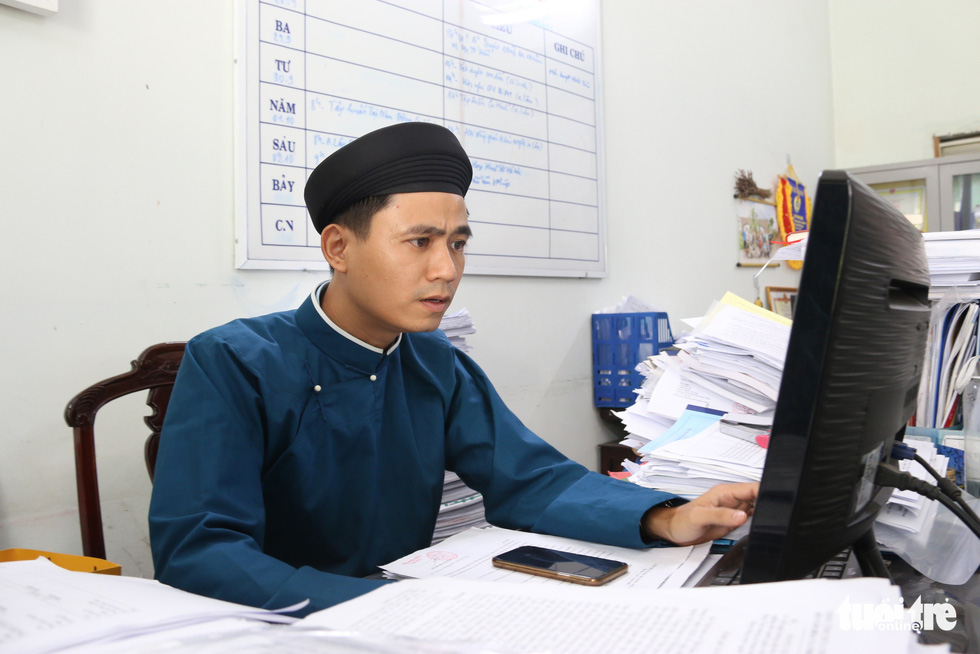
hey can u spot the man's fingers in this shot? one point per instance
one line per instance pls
(697, 524)
(744, 492)
(736, 496)
(723, 517)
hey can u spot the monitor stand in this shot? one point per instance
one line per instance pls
(869, 556)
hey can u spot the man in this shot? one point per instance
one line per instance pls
(305, 448)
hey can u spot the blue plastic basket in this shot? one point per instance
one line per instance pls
(619, 342)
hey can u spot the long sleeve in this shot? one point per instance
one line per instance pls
(528, 484)
(207, 514)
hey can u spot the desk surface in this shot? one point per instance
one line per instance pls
(152, 603)
(965, 598)
(965, 636)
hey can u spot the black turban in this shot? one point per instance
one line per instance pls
(401, 158)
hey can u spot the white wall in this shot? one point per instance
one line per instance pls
(116, 197)
(904, 71)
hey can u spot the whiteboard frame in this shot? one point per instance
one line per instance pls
(247, 170)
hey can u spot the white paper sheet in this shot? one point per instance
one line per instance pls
(468, 556)
(787, 617)
(44, 607)
(673, 394)
(760, 335)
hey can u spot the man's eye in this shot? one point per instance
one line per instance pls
(459, 246)
(419, 242)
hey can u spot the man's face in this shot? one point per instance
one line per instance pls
(403, 276)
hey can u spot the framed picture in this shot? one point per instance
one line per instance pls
(782, 300)
(757, 229)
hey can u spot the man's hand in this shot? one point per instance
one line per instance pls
(705, 518)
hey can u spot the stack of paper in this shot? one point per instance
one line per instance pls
(462, 508)
(691, 463)
(700, 414)
(457, 326)
(954, 262)
(44, 608)
(721, 387)
(469, 555)
(813, 616)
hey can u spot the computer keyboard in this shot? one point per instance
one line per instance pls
(728, 570)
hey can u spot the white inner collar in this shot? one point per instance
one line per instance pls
(317, 297)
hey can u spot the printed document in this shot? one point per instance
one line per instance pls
(468, 555)
(44, 608)
(814, 616)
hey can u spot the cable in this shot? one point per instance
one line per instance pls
(889, 475)
(949, 488)
(868, 555)
(958, 511)
(902, 451)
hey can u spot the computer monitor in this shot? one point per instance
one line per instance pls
(849, 385)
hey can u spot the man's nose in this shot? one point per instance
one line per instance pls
(443, 265)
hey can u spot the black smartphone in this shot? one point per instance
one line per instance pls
(566, 566)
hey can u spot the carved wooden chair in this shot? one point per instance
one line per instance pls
(154, 371)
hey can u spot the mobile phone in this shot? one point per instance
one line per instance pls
(566, 566)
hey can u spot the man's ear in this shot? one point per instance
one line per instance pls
(333, 243)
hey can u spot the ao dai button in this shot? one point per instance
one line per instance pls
(373, 378)
(316, 389)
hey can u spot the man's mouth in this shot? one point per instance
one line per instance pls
(437, 302)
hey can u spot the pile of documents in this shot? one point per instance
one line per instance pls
(954, 262)
(695, 458)
(457, 326)
(700, 413)
(811, 616)
(461, 508)
(703, 416)
(468, 555)
(952, 349)
(44, 608)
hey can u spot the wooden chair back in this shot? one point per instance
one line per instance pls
(154, 371)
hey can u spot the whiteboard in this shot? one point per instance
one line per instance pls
(519, 87)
